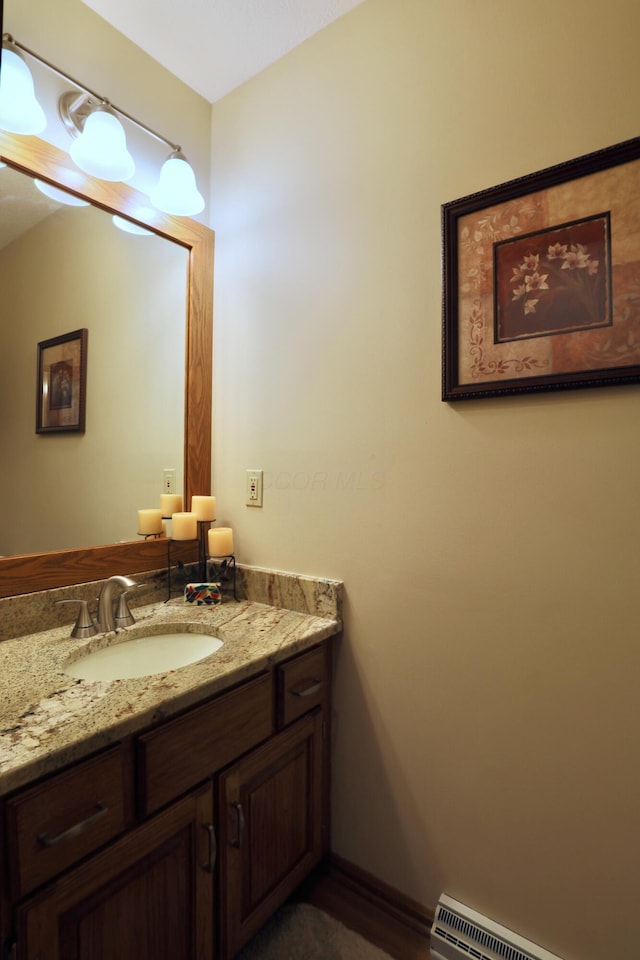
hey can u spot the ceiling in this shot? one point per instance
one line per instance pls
(215, 45)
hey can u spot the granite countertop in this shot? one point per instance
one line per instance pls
(49, 719)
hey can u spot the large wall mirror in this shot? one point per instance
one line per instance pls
(69, 500)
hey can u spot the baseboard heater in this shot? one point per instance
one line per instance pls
(459, 932)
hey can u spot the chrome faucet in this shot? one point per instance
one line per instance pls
(106, 617)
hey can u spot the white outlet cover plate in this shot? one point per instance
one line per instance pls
(254, 488)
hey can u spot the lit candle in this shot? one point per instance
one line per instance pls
(221, 542)
(184, 526)
(149, 521)
(204, 507)
(170, 503)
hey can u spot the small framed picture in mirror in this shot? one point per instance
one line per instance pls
(62, 383)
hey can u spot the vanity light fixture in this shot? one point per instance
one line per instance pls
(20, 111)
(99, 142)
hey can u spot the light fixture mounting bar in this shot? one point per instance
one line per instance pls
(81, 86)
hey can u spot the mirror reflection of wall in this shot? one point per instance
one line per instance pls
(75, 269)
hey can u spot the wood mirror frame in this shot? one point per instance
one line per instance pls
(29, 573)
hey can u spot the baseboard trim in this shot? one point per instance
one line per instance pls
(384, 916)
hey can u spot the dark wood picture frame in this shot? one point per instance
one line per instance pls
(541, 280)
(61, 397)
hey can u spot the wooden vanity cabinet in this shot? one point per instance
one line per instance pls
(181, 842)
(148, 896)
(5, 907)
(270, 829)
(273, 805)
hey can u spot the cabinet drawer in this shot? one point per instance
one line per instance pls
(179, 754)
(303, 683)
(55, 824)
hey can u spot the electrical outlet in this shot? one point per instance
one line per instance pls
(169, 480)
(254, 488)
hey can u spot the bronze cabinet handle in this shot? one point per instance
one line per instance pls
(240, 825)
(213, 847)
(47, 841)
(312, 687)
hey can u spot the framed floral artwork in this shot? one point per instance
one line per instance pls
(541, 280)
(62, 383)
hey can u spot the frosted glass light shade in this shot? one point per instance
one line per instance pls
(176, 191)
(101, 148)
(20, 111)
(54, 193)
(128, 226)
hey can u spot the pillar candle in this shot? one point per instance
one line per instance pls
(204, 507)
(170, 503)
(149, 521)
(221, 542)
(184, 526)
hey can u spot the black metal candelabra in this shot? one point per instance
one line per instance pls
(227, 564)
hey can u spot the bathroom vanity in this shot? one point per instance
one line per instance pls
(164, 817)
(167, 816)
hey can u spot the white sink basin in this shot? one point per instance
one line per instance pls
(144, 656)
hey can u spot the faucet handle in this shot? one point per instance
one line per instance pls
(124, 617)
(84, 625)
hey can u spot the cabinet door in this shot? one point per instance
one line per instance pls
(149, 896)
(271, 828)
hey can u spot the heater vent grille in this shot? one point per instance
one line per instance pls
(460, 932)
(479, 936)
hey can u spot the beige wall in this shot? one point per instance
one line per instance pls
(486, 713)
